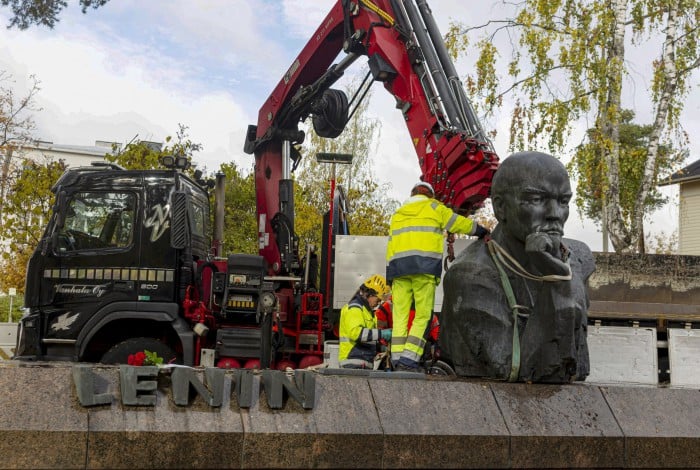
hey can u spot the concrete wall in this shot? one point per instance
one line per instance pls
(664, 287)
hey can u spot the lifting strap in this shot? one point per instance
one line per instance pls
(515, 358)
(501, 257)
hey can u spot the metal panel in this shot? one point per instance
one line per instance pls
(358, 257)
(8, 337)
(684, 357)
(621, 354)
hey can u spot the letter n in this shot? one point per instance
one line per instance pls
(184, 379)
(303, 389)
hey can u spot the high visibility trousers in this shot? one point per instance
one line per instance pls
(407, 346)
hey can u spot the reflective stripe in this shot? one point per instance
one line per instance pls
(369, 334)
(420, 342)
(344, 339)
(417, 228)
(451, 222)
(398, 341)
(410, 355)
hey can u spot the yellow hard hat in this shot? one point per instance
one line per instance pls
(377, 283)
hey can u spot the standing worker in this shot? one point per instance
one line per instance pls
(414, 267)
(359, 335)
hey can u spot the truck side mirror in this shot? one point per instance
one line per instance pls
(179, 226)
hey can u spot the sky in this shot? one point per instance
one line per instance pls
(135, 70)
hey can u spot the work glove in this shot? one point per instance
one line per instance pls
(386, 334)
(481, 231)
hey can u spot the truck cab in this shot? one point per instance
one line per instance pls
(114, 261)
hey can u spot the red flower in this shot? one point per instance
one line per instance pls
(136, 359)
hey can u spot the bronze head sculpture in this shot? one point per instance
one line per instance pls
(515, 306)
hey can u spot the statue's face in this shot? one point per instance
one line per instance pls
(538, 202)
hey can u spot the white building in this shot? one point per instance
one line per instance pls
(688, 180)
(72, 155)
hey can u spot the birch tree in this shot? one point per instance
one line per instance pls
(567, 63)
(16, 128)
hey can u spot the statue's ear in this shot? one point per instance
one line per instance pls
(499, 210)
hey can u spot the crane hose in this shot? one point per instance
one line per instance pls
(330, 113)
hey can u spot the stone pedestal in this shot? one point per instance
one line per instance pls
(378, 420)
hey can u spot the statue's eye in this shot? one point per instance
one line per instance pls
(534, 199)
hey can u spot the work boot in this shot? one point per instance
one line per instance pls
(401, 367)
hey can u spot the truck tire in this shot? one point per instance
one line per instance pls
(439, 367)
(119, 353)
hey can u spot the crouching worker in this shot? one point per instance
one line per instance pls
(359, 335)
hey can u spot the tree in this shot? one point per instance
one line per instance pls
(16, 127)
(568, 62)
(240, 218)
(587, 167)
(42, 12)
(26, 206)
(142, 155)
(369, 207)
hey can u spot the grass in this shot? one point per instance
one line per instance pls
(17, 303)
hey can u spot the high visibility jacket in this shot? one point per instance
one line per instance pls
(416, 236)
(359, 335)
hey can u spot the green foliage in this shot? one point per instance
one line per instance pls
(143, 155)
(589, 169)
(42, 13)
(152, 358)
(25, 210)
(567, 62)
(17, 305)
(240, 224)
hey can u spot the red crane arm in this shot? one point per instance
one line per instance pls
(453, 153)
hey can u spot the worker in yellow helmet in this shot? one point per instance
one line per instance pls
(359, 335)
(414, 266)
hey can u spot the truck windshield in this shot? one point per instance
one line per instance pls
(97, 220)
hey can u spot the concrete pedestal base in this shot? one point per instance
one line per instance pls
(356, 422)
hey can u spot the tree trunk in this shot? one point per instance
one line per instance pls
(619, 234)
(5, 177)
(669, 82)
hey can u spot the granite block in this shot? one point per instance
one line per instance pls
(164, 435)
(41, 423)
(661, 425)
(559, 426)
(341, 431)
(440, 423)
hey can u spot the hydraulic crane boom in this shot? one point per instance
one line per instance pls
(406, 52)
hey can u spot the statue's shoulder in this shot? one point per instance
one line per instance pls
(473, 263)
(473, 254)
(581, 255)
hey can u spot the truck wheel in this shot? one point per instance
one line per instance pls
(119, 353)
(440, 368)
